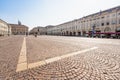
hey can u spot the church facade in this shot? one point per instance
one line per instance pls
(19, 29)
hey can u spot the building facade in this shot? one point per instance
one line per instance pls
(38, 30)
(18, 29)
(102, 24)
(48, 29)
(4, 29)
(9, 30)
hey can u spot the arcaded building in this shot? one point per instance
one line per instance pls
(4, 29)
(42, 30)
(48, 29)
(101, 24)
(38, 30)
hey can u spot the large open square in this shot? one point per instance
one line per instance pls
(59, 58)
(59, 40)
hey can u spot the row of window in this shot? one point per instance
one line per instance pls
(76, 27)
(18, 29)
(20, 32)
(5, 27)
(113, 15)
(2, 24)
(112, 22)
(95, 21)
(3, 31)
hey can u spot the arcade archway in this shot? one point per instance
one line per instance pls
(107, 31)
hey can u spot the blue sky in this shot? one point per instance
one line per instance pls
(50, 12)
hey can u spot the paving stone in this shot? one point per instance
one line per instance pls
(99, 64)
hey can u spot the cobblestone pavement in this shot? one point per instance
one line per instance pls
(44, 48)
(9, 53)
(102, 63)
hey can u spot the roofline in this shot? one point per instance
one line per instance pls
(110, 9)
(3, 21)
(17, 24)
